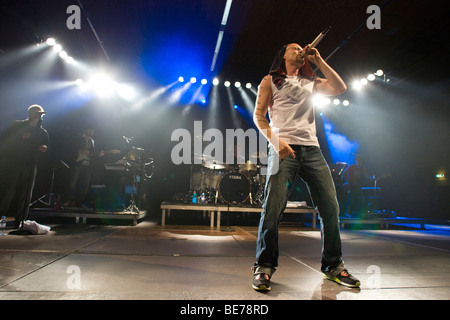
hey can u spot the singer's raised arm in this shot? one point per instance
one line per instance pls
(333, 83)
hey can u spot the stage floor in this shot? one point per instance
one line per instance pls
(182, 262)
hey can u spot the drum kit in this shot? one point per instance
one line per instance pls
(136, 167)
(233, 184)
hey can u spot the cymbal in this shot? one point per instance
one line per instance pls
(213, 165)
(248, 166)
(203, 157)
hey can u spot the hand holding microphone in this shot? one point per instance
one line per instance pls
(316, 41)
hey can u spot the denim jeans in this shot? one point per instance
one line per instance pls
(311, 166)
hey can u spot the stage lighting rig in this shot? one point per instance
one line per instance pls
(51, 42)
(63, 55)
(57, 48)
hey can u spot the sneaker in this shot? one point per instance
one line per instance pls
(261, 282)
(344, 278)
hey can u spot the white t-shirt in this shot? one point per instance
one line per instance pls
(292, 113)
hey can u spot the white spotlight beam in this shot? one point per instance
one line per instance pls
(176, 96)
(248, 102)
(226, 13)
(216, 50)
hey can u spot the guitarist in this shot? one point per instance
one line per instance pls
(81, 168)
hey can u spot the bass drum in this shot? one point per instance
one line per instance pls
(234, 188)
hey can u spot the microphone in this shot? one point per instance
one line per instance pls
(317, 40)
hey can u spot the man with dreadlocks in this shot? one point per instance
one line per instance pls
(286, 94)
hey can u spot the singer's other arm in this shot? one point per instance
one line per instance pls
(263, 101)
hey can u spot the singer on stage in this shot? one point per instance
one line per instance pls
(286, 94)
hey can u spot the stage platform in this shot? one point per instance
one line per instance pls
(382, 223)
(213, 209)
(81, 216)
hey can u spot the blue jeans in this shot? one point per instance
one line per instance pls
(311, 166)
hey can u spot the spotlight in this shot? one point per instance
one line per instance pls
(126, 92)
(227, 84)
(70, 60)
(204, 101)
(336, 102)
(78, 82)
(51, 42)
(345, 103)
(57, 48)
(357, 85)
(215, 81)
(181, 79)
(248, 85)
(379, 72)
(320, 101)
(204, 81)
(236, 106)
(63, 55)
(102, 85)
(237, 84)
(193, 80)
(371, 77)
(363, 81)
